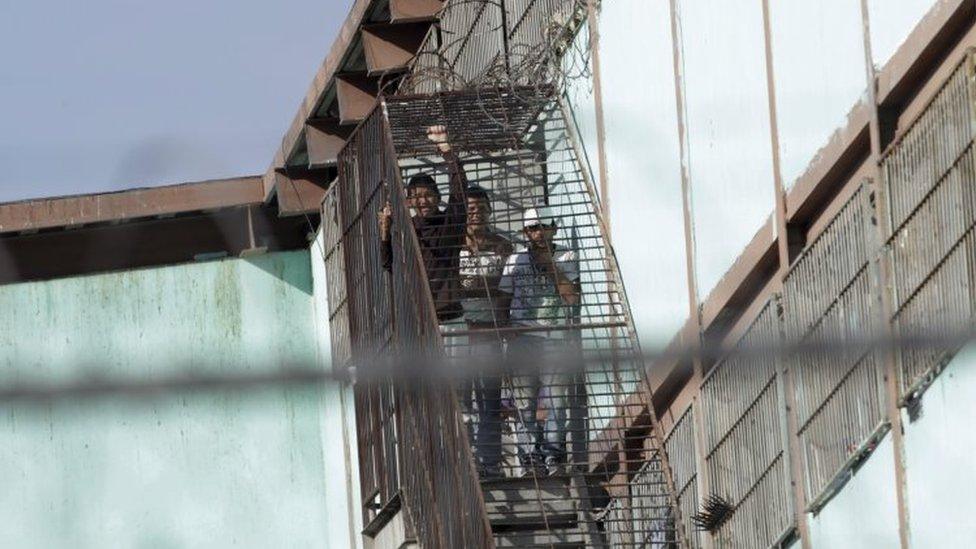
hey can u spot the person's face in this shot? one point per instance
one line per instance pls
(478, 213)
(424, 201)
(540, 236)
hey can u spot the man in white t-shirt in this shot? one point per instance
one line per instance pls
(542, 283)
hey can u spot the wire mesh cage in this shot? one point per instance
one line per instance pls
(472, 239)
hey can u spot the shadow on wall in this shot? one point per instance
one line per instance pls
(297, 274)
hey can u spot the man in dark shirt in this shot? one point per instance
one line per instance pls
(440, 233)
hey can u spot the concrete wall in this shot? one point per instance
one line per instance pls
(819, 75)
(939, 450)
(258, 469)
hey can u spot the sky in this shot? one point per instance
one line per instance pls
(102, 95)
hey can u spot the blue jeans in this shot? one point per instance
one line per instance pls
(544, 388)
(481, 395)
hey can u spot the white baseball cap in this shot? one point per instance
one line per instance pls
(539, 215)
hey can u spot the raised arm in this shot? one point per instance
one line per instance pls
(563, 272)
(458, 181)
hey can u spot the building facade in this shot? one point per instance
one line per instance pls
(771, 175)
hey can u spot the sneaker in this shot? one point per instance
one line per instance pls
(535, 471)
(490, 472)
(555, 466)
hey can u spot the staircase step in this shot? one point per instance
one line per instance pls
(526, 503)
(567, 539)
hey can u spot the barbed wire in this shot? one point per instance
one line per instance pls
(552, 58)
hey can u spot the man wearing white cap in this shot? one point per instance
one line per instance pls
(543, 283)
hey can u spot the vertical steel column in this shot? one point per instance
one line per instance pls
(786, 385)
(703, 485)
(890, 366)
(601, 130)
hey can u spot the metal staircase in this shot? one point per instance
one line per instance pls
(583, 463)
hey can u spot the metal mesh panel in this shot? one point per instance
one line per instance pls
(929, 181)
(934, 228)
(846, 424)
(838, 402)
(931, 147)
(651, 508)
(680, 446)
(512, 274)
(473, 37)
(828, 297)
(336, 290)
(484, 42)
(417, 423)
(828, 264)
(742, 405)
(428, 61)
(943, 305)
(642, 516)
(764, 515)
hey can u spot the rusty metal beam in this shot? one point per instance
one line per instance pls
(741, 283)
(390, 48)
(75, 211)
(414, 10)
(325, 138)
(148, 242)
(890, 366)
(300, 192)
(356, 94)
(921, 52)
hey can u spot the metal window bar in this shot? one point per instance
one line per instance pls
(931, 146)
(680, 446)
(929, 178)
(943, 304)
(828, 295)
(744, 439)
(839, 397)
(827, 265)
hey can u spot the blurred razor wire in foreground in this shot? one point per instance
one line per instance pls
(401, 370)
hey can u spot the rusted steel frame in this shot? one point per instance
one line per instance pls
(466, 38)
(735, 398)
(473, 531)
(694, 311)
(529, 329)
(778, 189)
(76, 211)
(676, 443)
(884, 270)
(373, 401)
(601, 128)
(614, 273)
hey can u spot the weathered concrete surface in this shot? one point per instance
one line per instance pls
(939, 449)
(209, 470)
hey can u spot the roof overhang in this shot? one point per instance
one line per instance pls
(74, 235)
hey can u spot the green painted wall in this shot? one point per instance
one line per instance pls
(264, 469)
